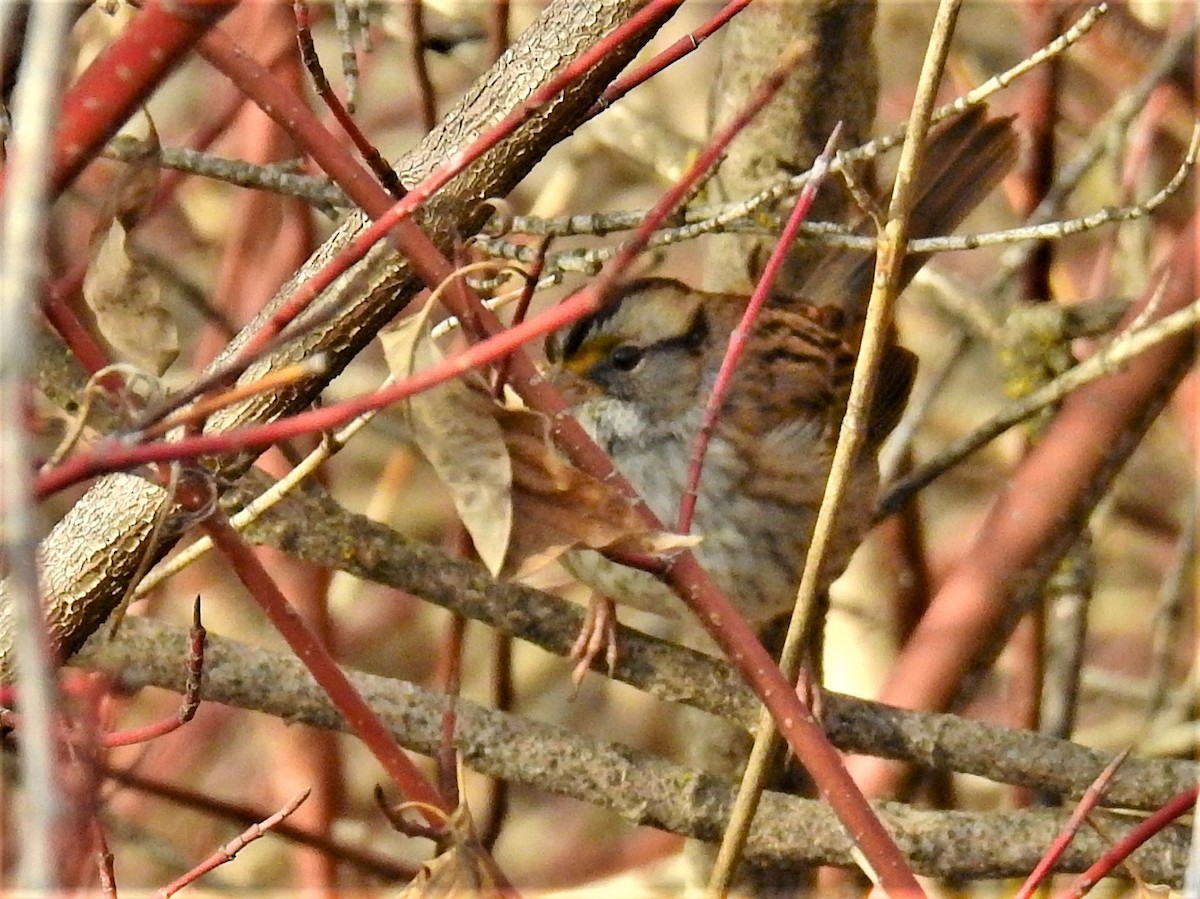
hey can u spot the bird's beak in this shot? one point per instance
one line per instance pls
(574, 388)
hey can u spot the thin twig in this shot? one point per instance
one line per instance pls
(346, 25)
(345, 852)
(1154, 824)
(741, 333)
(342, 112)
(227, 852)
(416, 27)
(498, 28)
(1177, 590)
(892, 248)
(736, 217)
(365, 723)
(1107, 361)
(685, 45)
(733, 840)
(1089, 801)
(1116, 121)
(279, 178)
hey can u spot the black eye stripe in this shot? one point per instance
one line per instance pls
(682, 342)
(575, 337)
(693, 339)
(578, 333)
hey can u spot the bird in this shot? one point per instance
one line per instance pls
(638, 374)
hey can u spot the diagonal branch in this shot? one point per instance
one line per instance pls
(88, 559)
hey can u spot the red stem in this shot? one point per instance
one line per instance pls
(191, 695)
(350, 855)
(521, 310)
(56, 307)
(737, 340)
(498, 28)
(383, 172)
(1124, 847)
(681, 48)
(121, 78)
(1090, 799)
(288, 111)
(226, 852)
(411, 783)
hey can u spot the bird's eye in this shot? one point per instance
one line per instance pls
(625, 357)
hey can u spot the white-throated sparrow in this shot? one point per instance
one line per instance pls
(638, 375)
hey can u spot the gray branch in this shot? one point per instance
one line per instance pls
(641, 787)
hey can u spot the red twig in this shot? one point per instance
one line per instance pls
(187, 710)
(411, 783)
(1176, 806)
(737, 340)
(115, 455)
(226, 852)
(288, 111)
(1045, 22)
(123, 76)
(447, 757)
(345, 853)
(522, 309)
(503, 694)
(312, 62)
(191, 694)
(449, 677)
(57, 309)
(681, 48)
(1090, 799)
(722, 620)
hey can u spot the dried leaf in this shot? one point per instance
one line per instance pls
(126, 300)
(465, 869)
(454, 428)
(558, 507)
